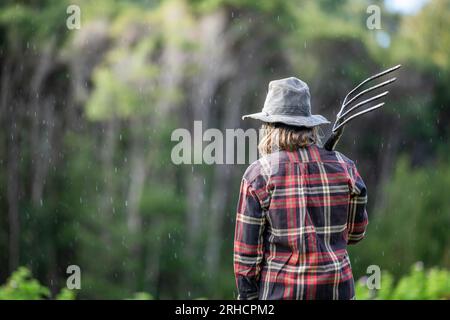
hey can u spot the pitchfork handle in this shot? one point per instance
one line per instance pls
(333, 139)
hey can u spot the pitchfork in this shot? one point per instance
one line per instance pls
(350, 104)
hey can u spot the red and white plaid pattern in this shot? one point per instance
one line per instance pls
(297, 212)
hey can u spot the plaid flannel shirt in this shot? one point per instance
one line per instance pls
(296, 214)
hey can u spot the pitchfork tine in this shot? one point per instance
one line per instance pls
(380, 85)
(376, 76)
(357, 115)
(352, 98)
(360, 104)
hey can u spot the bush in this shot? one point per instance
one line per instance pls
(419, 284)
(22, 286)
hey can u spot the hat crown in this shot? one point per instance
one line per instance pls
(288, 96)
(288, 102)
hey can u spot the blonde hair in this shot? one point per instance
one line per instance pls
(279, 137)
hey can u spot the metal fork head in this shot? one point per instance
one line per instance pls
(349, 104)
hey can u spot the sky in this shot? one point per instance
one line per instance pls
(405, 6)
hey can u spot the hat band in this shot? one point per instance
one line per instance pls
(288, 111)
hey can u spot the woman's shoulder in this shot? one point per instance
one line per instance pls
(266, 166)
(333, 156)
(253, 171)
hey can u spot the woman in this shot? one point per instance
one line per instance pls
(299, 207)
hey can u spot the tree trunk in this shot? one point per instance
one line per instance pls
(138, 172)
(13, 191)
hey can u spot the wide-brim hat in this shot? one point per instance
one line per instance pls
(288, 101)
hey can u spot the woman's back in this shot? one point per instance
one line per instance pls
(296, 214)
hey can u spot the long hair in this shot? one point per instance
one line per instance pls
(279, 137)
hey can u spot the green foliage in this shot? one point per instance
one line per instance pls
(278, 8)
(21, 286)
(418, 284)
(127, 84)
(142, 296)
(427, 33)
(33, 23)
(414, 221)
(66, 294)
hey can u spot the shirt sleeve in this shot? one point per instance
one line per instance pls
(248, 242)
(357, 219)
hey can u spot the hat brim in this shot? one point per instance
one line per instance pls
(298, 121)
